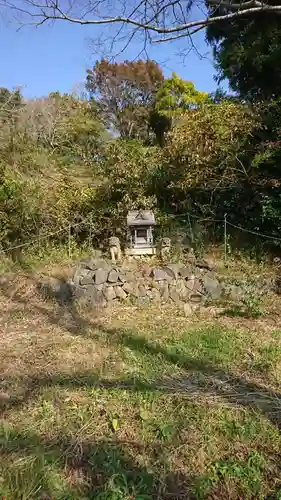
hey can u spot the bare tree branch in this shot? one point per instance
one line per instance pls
(161, 17)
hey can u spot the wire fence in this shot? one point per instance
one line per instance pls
(226, 224)
(87, 221)
(66, 229)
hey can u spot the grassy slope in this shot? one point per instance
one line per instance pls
(136, 403)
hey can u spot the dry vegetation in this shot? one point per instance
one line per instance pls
(136, 403)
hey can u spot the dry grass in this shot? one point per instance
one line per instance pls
(136, 402)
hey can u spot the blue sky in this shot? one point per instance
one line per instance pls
(50, 58)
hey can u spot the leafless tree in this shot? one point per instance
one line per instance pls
(158, 20)
(11, 108)
(37, 120)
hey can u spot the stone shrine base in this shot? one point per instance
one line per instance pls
(99, 283)
(133, 252)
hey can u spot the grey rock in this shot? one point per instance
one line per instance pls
(165, 292)
(88, 264)
(212, 287)
(187, 309)
(77, 291)
(89, 290)
(79, 273)
(82, 301)
(146, 270)
(102, 264)
(181, 289)
(5, 279)
(204, 264)
(89, 296)
(98, 299)
(177, 282)
(152, 283)
(128, 276)
(96, 295)
(172, 270)
(190, 283)
(143, 300)
(113, 276)
(197, 286)
(174, 295)
(198, 272)
(101, 276)
(173, 282)
(186, 272)
(85, 291)
(141, 291)
(122, 277)
(100, 287)
(131, 288)
(128, 287)
(109, 293)
(211, 274)
(191, 257)
(120, 293)
(56, 288)
(154, 294)
(160, 274)
(96, 254)
(147, 282)
(196, 297)
(234, 292)
(88, 280)
(160, 284)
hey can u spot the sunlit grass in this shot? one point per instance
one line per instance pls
(135, 403)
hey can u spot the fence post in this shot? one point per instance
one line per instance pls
(225, 238)
(90, 233)
(69, 240)
(191, 230)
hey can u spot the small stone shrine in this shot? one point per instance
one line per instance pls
(140, 233)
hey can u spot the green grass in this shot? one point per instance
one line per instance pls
(135, 404)
(154, 437)
(245, 474)
(35, 257)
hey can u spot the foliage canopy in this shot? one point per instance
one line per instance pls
(176, 150)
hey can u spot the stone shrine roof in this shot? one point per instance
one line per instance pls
(140, 218)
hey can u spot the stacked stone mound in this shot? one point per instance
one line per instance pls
(100, 283)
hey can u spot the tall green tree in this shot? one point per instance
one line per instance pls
(177, 95)
(247, 52)
(174, 97)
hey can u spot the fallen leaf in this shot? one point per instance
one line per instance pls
(115, 424)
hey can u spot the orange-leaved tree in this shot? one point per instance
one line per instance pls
(125, 94)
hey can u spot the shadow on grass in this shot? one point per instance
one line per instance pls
(239, 311)
(109, 467)
(236, 311)
(72, 468)
(215, 381)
